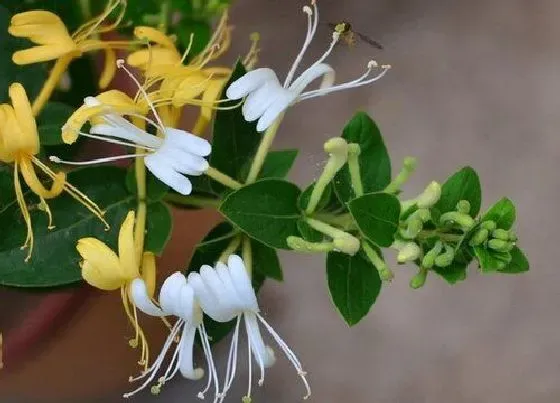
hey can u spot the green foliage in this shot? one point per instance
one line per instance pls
(463, 185)
(354, 285)
(375, 165)
(50, 121)
(265, 210)
(235, 140)
(377, 216)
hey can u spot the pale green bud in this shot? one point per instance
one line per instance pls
(500, 245)
(429, 196)
(419, 278)
(500, 234)
(463, 206)
(347, 244)
(489, 225)
(430, 257)
(446, 258)
(414, 226)
(479, 237)
(409, 252)
(464, 221)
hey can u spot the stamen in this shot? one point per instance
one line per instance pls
(189, 47)
(212, 373)
(43, 206)
(120, 65)
(113, 141)
(232, 360)
(289, 354)
(24, 211)
(58, 160)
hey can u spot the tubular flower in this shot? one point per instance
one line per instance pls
(54, 42)
(19, 144)
(169, 158)
(191, 84)
(225, 293)
(176, 298)
(104, 269)
(267, 98)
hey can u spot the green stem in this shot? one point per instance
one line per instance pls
(409, 165)
(425, 234)
(384, 271)
(164, 15)
(85, 9)
(196, 201)
(298, 244)
(247, 254)
(354, 168)
(344, 221)
(222, 178)
(263, 149)
(230, 250)
(326, 228)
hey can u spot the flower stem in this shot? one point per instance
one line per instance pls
(409, 165)
(325, 228)
(344, 221)
(354, 168)
(195, 201)
(222, 178)
(59, 68)
(247, 253)
(425, 234)
(384, 271)
(141, 213)
(263, 149)
(230, 250)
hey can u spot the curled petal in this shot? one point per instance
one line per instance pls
(250, 82)
(279, 105)
(170, 293)
(242, 284)
(141, 299)
(100, 265)
(188, 142)
(127, 250)
(186, 365)
(165, 173)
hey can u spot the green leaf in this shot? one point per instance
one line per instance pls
(463, 185)
(327, 198)
(265, 261)
(354, 285)
(234, 140)
(308, 233)
(265, 210)
(454, 273)
(159, 225)
(375, 164)
(155, 189)
(50, 121)
(491, 260)
(277, 164)
(55, 259)
(377, 216)
(30, 76)
(518, 263)
(502, 213)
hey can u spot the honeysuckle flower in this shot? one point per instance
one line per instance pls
(169, 158)
(266, 98)
(19, 144)
(176, 299)
(225, 293)
(53, 42)
(172, 84)
(104, 269)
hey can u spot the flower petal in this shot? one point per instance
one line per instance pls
(100, 266)
(250, 82)
(188, 142)
(186, 365)
(170, 293)
(279, 105)
(141, 299)
(127, 249)
(242, 283)
(161, 170)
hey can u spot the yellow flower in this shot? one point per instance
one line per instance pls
(54, 42)
(190, 84)
(19, 143)
(104, 269)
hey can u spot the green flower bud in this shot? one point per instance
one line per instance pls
(489, 225)
(347, 244)
(419, 279)
(421, 214)
(463, 206)
(512, 235)
(301, 245)
(414, 226)
(446, 258)
(500, 234)
(464, 221)
(480, 236)
(429, 196)
(500, 245)
(430, 257)
(408, 252)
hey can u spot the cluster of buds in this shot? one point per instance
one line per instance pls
(489, 236)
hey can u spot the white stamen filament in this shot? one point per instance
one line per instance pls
(113, 141)
(58, 160)
(232, 360)
(152, 371)
(311, 28)
(289, 354)
(212, 373)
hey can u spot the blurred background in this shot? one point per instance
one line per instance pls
(473, 82)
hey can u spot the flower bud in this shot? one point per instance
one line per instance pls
(480, 236)
(463, 206)
(347, 244)
(512, 235)
(414, 226)
(489, 225)
(419, 278)
(500, 245)
(301, 245)
(409, 252)
(500, 234)
(421, 214)
(429, 258)
(446, 258)
(464, 221)
(429, 196)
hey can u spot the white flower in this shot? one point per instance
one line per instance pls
(267, 98)
(169, 158)
(176, 298)
(225, 293)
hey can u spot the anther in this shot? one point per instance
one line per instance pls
(307, 10)
(372, 64)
